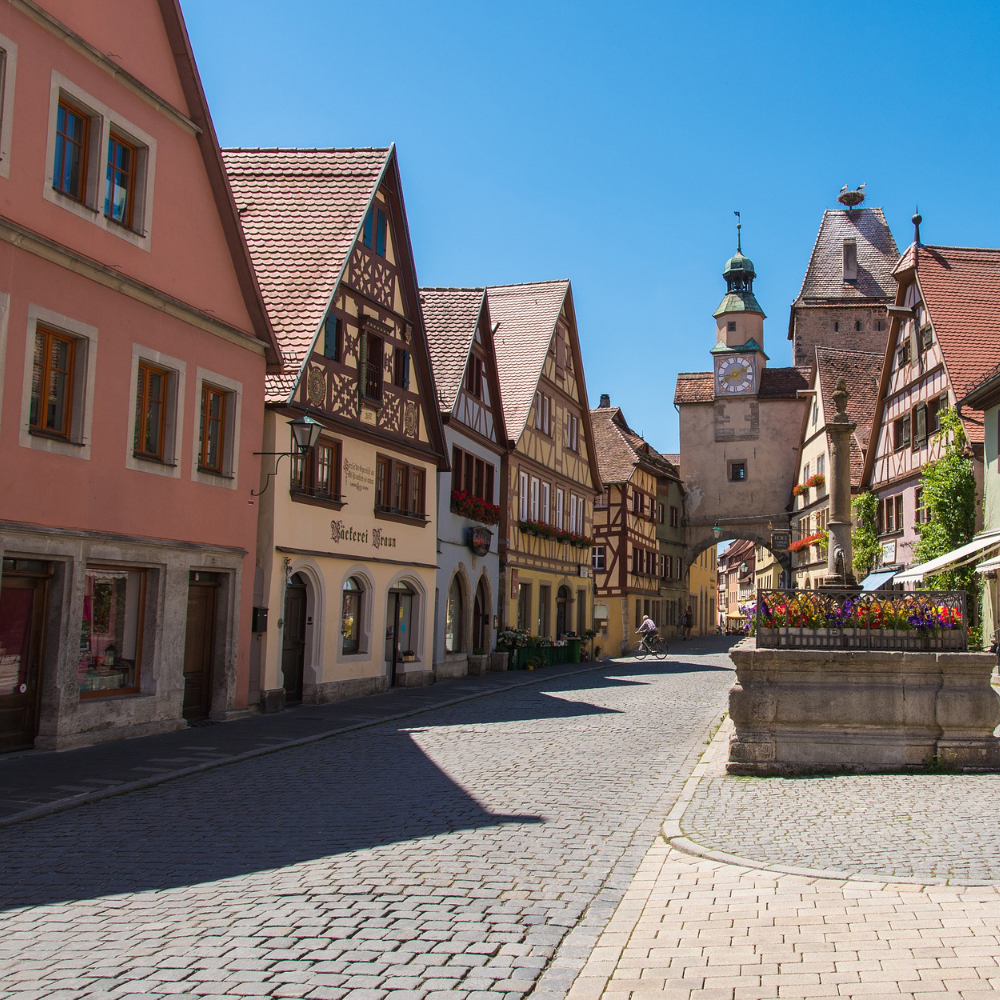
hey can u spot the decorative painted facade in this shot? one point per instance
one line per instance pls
(551, 472)
(133, 351)
(460, 338)
(347, 538)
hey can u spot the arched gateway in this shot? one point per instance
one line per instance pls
(740, 426)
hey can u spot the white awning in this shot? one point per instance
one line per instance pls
(961, 556)
(877, 579)
(989, 565)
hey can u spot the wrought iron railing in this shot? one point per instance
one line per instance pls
(849, 619)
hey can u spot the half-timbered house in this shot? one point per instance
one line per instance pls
(460, 339)
(810, 500)
(551, 471)
(627, 559)
(942, 341)
(347, 542)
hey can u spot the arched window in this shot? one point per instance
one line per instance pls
(350, 621)
(453, 620)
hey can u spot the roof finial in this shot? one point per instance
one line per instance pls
(916, 220)
(739, 226)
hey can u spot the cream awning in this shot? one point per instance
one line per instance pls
(961, 556)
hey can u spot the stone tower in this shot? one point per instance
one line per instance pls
(847, 285)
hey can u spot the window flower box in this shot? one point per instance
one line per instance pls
(474, 508)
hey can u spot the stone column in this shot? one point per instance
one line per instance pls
(840, 555)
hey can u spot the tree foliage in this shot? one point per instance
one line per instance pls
(864, 538)
(950, 502)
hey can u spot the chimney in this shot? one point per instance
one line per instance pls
(605, 402)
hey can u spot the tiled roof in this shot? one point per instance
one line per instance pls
(877, 256)
(775, 383)
(615, 454)
(525, 317)
(301, 211)
(450, 318)
(860, 369)
(961, 289)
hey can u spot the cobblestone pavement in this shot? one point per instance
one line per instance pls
(473, 851)
(929, 827)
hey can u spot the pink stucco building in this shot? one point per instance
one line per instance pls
(134, 346)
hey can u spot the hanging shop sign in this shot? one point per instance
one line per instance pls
(780, 540)
(479, 540)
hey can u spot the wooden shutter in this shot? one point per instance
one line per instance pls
(406, 369)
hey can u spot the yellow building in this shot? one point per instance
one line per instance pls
(346, 550)
(703, 584)
(551, 471)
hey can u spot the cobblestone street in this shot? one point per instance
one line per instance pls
(474, 850)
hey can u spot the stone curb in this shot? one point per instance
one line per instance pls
(673, 834)
(86, 798)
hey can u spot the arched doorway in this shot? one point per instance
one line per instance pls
(399, 627)
(562, 605)
(293, 647)
(454, 622)
(481, 620)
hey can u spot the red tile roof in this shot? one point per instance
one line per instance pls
(301, 210)
(451, 316)
(620, 449)
(525, 317)
(877, 256)
(775, 383)
(860, 370)
(961, 289)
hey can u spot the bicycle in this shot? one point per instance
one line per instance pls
(657, 647)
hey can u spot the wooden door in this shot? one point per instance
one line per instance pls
(293, 650)
(22, 609)
(480, 621)
(199, 650)
(562, 599)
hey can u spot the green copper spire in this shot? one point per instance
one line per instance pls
(739, 275)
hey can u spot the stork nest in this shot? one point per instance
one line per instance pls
(851, 198)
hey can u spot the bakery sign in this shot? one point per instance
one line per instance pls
(479, 540)
(340, 532)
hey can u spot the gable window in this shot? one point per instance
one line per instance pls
(597, 557)
(919, 425)
(543, 406)
(150, 412)
(637, 502)
(474, 377)
(901, 432)
(934, 409)
(119, 198)
(399, 488)
(212, 436)
(572, 432)
(926, 337)
(331, 337)
(401, 368)
(317, 474)
(903, 351)
(52, 380)
(69, 174)
(371, 366)
(375, 230)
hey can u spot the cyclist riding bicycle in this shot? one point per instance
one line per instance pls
(648, 631)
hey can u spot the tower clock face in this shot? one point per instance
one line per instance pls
(734, 375)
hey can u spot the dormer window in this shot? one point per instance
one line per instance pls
(850, 260)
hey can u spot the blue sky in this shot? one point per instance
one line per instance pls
(611, 144)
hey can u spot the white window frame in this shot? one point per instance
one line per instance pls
(523, 497)
(546, 505)
(103, 120)
(173, 422)
(579, 517)
(572, 514)
(572, 432)
(560, 503)
(598, 558)
(84, 379)
(8, 73)
(234, 400)
(534, 498)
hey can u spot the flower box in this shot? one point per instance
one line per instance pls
(474, 508)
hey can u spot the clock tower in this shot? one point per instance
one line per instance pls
(738, 355)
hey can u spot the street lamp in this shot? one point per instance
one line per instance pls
(717, 531)
(305, 434)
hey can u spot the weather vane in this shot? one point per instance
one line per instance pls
(739, 226)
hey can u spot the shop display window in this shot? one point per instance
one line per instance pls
(350, 623)
(111, 631)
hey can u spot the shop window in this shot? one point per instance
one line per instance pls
(454, 618)
(111, 631)
(399, 488)
(350, 618)
(317, 474)
(597, 557)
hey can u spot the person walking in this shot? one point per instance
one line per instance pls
(687, 623)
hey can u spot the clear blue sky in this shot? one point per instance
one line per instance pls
(610, 144)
